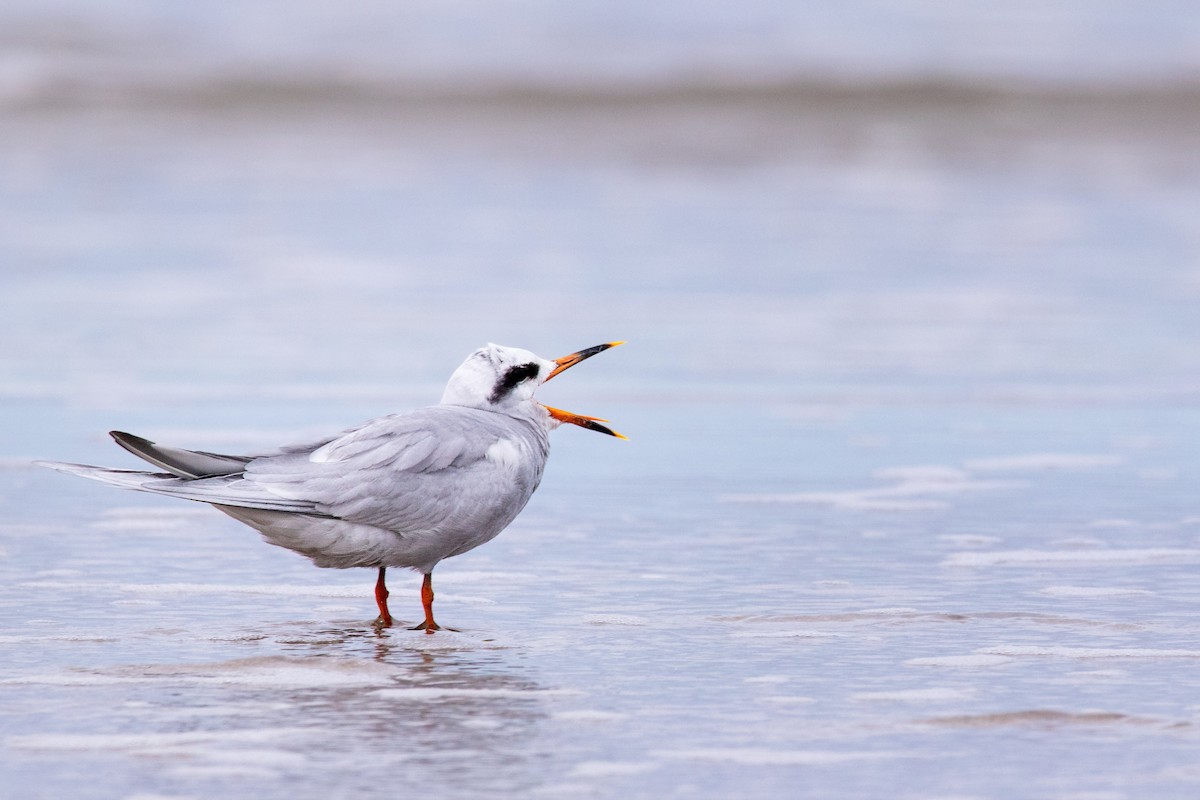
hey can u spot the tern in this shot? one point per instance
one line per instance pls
(403, 490)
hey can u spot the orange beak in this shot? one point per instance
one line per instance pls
(591, 423)
(565, 363)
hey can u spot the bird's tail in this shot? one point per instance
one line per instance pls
(124, 478)
(224, 489)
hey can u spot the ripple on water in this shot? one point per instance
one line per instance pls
(1094, 591)
(1049, 718)
(760, 757)
(227, 753)
(968, 661)
(1018, 651)
(279, 672)
(1079, 558)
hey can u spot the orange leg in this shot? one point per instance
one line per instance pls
(429, 626)
(381, 596)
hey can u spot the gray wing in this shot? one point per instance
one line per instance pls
(200, 464)
(422, 471)
(179, 462)
(425, 471)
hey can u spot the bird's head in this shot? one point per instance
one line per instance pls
(503, 379)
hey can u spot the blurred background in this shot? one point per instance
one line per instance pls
(911, 294)
(918, 196)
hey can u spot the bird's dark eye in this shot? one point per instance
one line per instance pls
(513, 377)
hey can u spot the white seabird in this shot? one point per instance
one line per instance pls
(404, 490)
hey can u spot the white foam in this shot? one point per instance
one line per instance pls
(136, 519)
(226, 771)
(1084, 558)
(785, 700)
(156, 742)
(1087, 652)
(418, 693)
(445, 642)
(922, 472)
(790, 633)
(272, 672)
(254, 758)
(966, 661)
(1034, 462)
(333, 610)
(174, 589)
(1098, 674)
(66, 679)
(482, 724)
(759, 757)
(849, 501)
(915, 489)
(589, 715)
(59, 637)
(614, 619)
(281, 672)
(944, 487)
(241, 709)
(464, 599)
(930, 695)
(607, 769)
(467, 576)
(1093, 591)
(969, 539)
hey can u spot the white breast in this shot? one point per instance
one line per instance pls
(504, 453)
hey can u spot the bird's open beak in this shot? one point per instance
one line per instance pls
(591, 423)
(565, 363)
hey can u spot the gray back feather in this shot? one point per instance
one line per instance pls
(421, 471)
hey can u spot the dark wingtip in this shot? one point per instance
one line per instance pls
(134, 444)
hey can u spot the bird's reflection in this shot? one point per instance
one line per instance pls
(448, 698)
(330, 710)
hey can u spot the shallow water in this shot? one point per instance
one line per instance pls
(912, 388)
(654, 625)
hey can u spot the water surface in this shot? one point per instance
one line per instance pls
(912, 388)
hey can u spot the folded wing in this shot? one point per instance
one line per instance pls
(410, 472)
(425, 471)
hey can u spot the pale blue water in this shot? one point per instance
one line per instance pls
(912, 386)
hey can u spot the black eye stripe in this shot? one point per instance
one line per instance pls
(513, 377)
